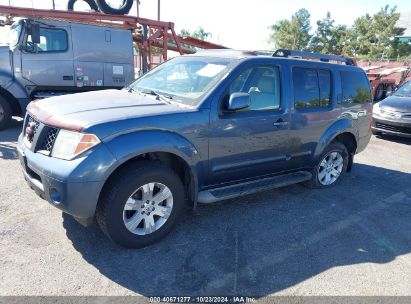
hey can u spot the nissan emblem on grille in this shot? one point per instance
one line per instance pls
(31, 126)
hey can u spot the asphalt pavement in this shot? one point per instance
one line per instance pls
(353, 239)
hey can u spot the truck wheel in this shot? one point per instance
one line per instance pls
(122, 9)
(91, 4)
(141, 205)
(388, 90)
(332, 165)
(379, 92)
(5, 113)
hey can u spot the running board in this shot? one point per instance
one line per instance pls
(223, 193)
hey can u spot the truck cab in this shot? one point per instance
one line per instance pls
(44, 58)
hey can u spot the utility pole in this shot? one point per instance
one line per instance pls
(158, 11)
(54, 5)
(138, 7)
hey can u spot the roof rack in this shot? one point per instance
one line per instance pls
(308, 55)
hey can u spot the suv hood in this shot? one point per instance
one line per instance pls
(78, 111)
(396, 103)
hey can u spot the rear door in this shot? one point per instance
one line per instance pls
(50, 62)
(315, 109)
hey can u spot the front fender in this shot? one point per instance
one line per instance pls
(343, 125)
(128, 146)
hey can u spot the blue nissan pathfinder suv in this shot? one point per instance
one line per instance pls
(196, 129)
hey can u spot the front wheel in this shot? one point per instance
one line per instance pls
(331, 166)
(141, 205)
(5, 113)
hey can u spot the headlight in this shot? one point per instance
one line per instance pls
(69, 144)
(376, 109)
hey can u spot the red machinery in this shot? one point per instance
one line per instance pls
(147, 33)
(384, 79)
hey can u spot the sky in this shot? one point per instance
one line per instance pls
(239, 24)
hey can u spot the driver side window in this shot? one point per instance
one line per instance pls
(263, 85)
(51, 40)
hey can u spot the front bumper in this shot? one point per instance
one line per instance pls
(398, 127)
(71, 186)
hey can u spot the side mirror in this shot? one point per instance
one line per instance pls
(34, 31)
(238, 101)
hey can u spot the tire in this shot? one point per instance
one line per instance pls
(91, 3)
(128, 186)
(5, 113)
(379, 93)
(388, 90)
(124, 9)
(332, 149)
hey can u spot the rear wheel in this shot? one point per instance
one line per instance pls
(5, 113)
(331, 166)
(141, 205)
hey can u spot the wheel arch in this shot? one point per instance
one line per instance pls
(343, 132)
(167, 148)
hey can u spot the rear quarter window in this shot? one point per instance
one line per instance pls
(355, 87)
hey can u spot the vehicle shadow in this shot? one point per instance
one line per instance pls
(396, 139)
(264, 243)
(12, 133)
(8, 152)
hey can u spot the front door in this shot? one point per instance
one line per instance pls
(50, 62)
(254, 141)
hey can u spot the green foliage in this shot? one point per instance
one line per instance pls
(201, 34)
(292, 34)
(371, 36)
(185, 33)
(329, 38)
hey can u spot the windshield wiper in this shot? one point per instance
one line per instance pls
(160, 96)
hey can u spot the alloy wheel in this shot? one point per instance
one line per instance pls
(330, 168)
(148, 208)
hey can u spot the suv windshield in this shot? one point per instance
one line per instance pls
(404, 90)
(184, 79)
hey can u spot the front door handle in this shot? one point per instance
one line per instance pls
(280, 122)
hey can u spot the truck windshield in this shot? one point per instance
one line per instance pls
(184, 79)
(14, 34)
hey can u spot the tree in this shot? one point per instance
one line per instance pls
(373, 36)
(185, 33)
(201, 34)
(292, 34)
(328, 38)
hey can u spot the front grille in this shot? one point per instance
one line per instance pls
(35, 125)
(393, 128)
(49, 139)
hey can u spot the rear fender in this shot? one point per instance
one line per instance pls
(340, 126)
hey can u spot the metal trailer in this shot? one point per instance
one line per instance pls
(385, 80)
(59, 52)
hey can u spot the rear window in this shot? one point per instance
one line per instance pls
(355, 87)
(312, 88)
